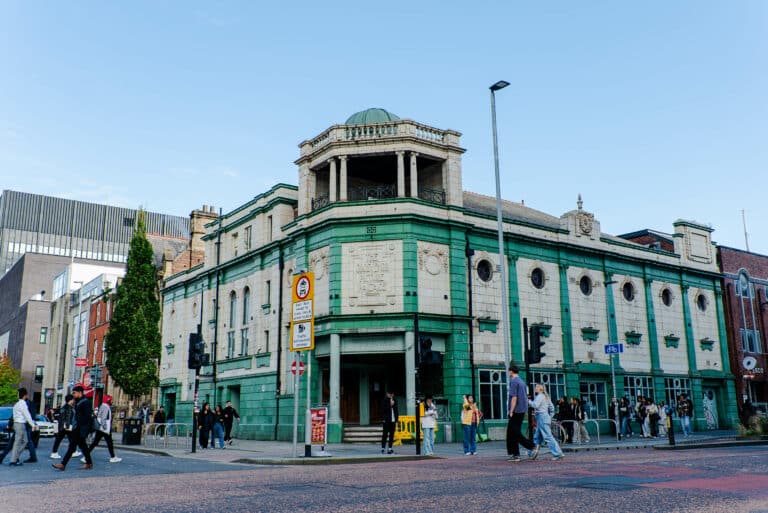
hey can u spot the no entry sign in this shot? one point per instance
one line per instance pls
(297, 368)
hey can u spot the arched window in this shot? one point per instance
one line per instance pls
(246, 305)
(232, 309)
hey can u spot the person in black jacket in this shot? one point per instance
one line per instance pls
(66, 418)
(230, 414)
(81, 428)
(205, 420)
(565, 417)
(389, 418)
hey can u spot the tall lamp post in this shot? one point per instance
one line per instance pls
(501, 84)
(78, 335)
(612, 339)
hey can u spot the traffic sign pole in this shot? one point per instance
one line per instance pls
(296, 391)
(308, 415)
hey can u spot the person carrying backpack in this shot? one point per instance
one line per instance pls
(104, 416)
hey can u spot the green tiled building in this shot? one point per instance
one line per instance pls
(401, 253)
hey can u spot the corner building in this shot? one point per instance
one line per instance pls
(380, 217)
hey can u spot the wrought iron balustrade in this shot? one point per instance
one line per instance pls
(366, 192)
(320, 202)
(432, 195)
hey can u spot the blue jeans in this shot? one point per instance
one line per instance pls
(470, 438)
(685, 422)
(544, 431)
(218, 434)
(31, 444)
(626, 427)
(429, 440)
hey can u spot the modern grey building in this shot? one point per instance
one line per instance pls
(32, 223)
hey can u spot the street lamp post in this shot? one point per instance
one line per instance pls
(501, 84)
(612, 339)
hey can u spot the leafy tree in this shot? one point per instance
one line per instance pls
(133, 341)
(9, 380)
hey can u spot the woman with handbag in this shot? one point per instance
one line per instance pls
(544, 409)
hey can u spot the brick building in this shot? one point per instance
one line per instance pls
(745, 299)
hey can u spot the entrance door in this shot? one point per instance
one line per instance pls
(709, 404)
(350, 396)
(595, 399)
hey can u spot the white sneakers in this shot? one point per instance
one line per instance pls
(55, 456)
(115, 460)
(77, 453)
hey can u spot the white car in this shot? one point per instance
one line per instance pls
(46, 427)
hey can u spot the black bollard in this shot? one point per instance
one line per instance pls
(670, 426)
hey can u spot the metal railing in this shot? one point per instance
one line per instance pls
(167, 434)
(432, 195)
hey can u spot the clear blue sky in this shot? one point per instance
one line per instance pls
(653, 111)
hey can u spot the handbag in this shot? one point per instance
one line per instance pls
(482, 431)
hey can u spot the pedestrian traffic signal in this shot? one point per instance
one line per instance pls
(196, 350)
(534, 353)
(427, 357)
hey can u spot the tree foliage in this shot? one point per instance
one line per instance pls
(133, 343)
(9, 380)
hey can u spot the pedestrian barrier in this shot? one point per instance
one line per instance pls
(172, 433)
(405, 429)
(597, 427)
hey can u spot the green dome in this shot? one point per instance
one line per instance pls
(368, 116)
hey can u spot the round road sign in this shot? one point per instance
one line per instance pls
(303, 287)
(297, 368)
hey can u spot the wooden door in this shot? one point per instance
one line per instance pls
(350, 396)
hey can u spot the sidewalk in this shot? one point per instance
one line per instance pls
(256, 452)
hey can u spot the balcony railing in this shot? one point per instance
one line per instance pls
(379, 192)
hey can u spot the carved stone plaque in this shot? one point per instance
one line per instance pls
(373, 270)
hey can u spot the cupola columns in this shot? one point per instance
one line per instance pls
(343, 179)
(400, 174)
(332, 187)
(414, 176)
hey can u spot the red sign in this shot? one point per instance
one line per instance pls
(297, 365)
(319, 425)
(81, 362)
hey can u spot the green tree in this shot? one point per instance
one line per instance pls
(133, 343)
(9, 380)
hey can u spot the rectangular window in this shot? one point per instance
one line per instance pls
(554, 381)
(247, 234)
(243, 341)
(673, 387)
(234, 244)
(231, 344)
(39, 374)
(595, 399)
(635, 386)
(268, 292)
(44, 335)
(750, 341)
(106, 311)
(266, 341)
(493, 393)
(269, 228)
(98, 314)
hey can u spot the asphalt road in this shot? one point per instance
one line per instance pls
(731, 480)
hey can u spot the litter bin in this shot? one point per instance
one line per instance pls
(132, 432)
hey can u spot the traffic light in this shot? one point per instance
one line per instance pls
(196, 350)
(534, 353)
(428, 358)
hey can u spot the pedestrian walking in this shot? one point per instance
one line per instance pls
(566, 418)
(66, 418)
(159, 421)
(205, 425)
(517, 402)
(230, 414)
(389, 417)
(21, 419)
(81, 428)
(684, 411)
(470, 419)
(428, 424)
(543, 409)
(104, 417)
(218, 427)
(580, 433)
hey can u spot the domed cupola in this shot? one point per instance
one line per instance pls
(370, 116)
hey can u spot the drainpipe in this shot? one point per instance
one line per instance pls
(469, 252)
(279, 351)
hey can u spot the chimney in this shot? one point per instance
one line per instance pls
(199, 218)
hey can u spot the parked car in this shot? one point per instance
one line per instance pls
(46, 427)
(6, 412)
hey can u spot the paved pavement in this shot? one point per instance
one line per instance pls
(281, 453)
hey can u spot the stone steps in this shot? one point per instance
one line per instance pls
(362, 434)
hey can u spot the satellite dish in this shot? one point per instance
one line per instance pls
(749, 362)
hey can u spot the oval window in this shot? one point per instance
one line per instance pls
(585, 284)
(666, 297)
(537, 278)
(701, 302)
(485, 270)
(629, 291)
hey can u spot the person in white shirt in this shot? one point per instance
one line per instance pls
(104, 415)
(21, 418)
(428, 423)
